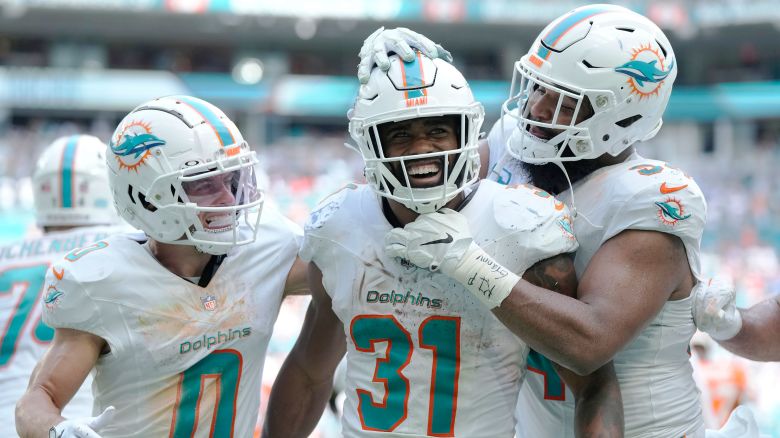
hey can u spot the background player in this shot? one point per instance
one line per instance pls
(425, 355)
(176, 322)
(73, 207)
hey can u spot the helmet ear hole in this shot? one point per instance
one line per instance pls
(663, 49)
(130, 194)
(146, 205)
(628, 121)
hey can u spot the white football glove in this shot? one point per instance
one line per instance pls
(400, 41)
(714, 309)
(741, 424)
(87, 427)
(442, 241)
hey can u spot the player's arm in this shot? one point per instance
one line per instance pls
(304, 383)
(553, 274)
(757, 340)
(625, 285)
(599, 407)
(623, 288)
(297, 283)
(598, 404)
(55, 380)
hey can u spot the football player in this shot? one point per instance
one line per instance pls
(425, 354)
(73, 207)
(595, 82)
(176, 320)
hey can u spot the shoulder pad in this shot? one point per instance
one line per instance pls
(661, 198)
(66, 301)
(523, 206)
(320, 224)
(537, 225)
(327, 207)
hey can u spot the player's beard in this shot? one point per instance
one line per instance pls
(550, 177)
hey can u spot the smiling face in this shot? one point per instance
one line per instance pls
(214, 191)
(541, 107)
(427, 135)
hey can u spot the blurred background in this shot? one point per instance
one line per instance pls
(284, 72)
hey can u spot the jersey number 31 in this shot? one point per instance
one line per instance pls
(440, 335)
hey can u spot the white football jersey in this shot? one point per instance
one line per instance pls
(660, 397)
(545, 405)
(185, 360)
(23, 336)
(424, 357)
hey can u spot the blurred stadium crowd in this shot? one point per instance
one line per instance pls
(723, 126)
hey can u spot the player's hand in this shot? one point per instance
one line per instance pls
(442, 241)
(400, 41)
(714, 309)
(741, 423)
(87, 427)
(433, 241)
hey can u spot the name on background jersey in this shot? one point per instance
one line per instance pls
(41, 247)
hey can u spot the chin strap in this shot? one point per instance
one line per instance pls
(573, 207)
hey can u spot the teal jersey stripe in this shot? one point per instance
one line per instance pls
(552, 37)
(223, 132)
(413, 76)
(68, 157)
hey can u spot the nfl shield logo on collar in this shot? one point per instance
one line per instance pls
(209, 302)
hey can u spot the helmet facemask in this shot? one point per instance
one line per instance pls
(394, 177)
(565, 136)
(212, 199)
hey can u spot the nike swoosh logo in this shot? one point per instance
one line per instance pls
(60, 274)
(447, 239)
(666, 189)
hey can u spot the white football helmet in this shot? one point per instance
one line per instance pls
(181, 172)
(421, 88)
(70, 184)
(608, 57)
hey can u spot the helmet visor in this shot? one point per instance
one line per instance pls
(216, 189)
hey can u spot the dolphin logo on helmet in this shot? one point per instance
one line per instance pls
(136, 144)
(643, 71)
